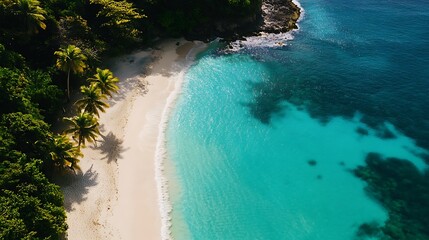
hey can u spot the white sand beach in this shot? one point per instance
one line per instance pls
(118, 195)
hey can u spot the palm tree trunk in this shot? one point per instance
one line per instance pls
(68, 85)
(79, 143)
(72, 166)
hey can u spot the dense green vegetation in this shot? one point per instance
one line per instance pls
(197, 17)
(30, 152)
(31, 207)
(47, 49)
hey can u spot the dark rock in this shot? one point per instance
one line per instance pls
(362, 131)
(384, 133)
(371, 229)
(312, 162)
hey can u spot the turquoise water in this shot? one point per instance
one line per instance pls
(264, 141)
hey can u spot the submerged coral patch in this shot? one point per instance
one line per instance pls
(362, 131)
(312, 162)
(403, 190)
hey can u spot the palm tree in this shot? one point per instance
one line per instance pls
(64, 153)
(32, 13)
(92, 100)
(70, 59)
(105, 81)
(84, 127)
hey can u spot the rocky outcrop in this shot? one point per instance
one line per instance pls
(276, 16)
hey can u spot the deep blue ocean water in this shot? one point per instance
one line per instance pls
(264, 140)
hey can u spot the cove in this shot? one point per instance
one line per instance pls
(264, 141)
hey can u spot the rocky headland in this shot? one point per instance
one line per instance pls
(275, 16)
(278, 16)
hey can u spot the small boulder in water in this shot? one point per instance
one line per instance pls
(312, 162)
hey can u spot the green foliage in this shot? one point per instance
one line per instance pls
(92, 100)
(178, 22)
(32, 13)
(171, 20)
(105, 81)
(10, 59)
(29, 134)
(403, 190)
(31, 92)
(74, 27)
(30, 206)
(63, 153)
(117, 13)
(44, 94)
(69, 59)
(118, 19)
(244, 7)
(13, 94)
(27, 14)
(83, 127)
(75, 30)
(192, 17)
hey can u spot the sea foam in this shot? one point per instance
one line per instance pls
(164, 203)
(267, 40)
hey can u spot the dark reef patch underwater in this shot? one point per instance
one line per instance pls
(369, 58)
(381, 74)
(404, 191)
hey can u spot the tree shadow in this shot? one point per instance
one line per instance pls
(132, 69)
(111, 147)
(76, 187)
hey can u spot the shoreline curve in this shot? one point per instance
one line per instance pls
(161, 151)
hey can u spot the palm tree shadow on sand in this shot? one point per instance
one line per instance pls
(111, 147)
(131, 71)
(76, 187)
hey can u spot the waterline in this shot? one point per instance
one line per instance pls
(161, 152)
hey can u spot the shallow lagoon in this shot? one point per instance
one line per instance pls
(264, 141)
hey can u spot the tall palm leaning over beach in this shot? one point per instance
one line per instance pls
(69, 59)
(64, 153)
(32, 14)
(83, 127)
(92, 100)
(105, 81)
